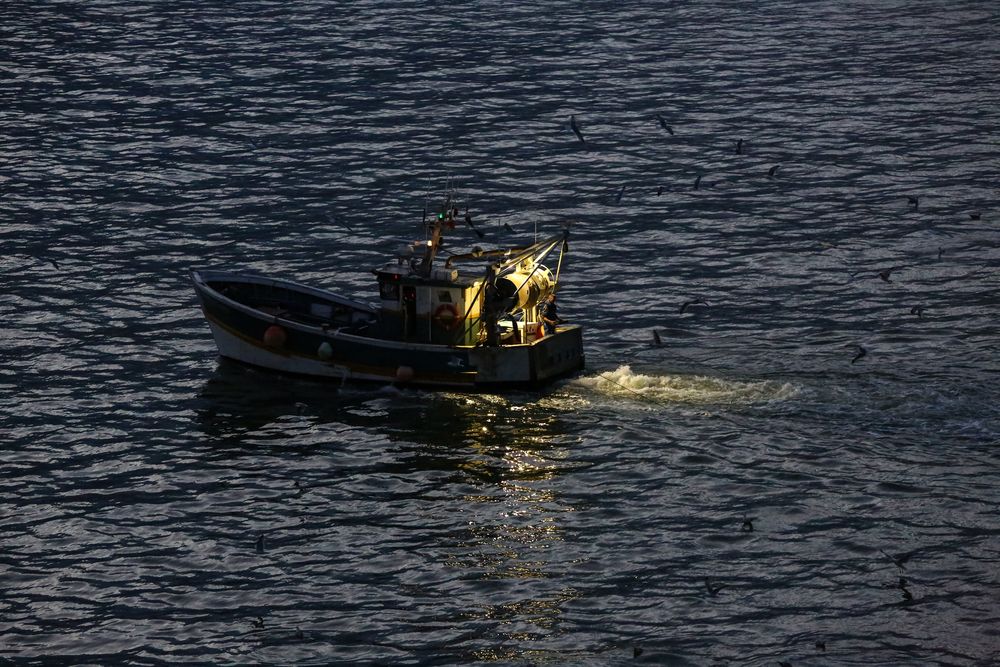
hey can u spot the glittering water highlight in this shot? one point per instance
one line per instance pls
(163, 506)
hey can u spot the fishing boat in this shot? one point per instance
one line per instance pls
(471, 320)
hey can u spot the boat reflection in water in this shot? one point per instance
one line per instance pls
(450, 504)
(513, 542)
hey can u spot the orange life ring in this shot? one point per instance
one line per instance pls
(450, 321)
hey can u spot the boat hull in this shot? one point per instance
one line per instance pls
(278, 342)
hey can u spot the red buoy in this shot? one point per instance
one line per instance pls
(274, 336)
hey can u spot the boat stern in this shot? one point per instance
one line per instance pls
(535, 363)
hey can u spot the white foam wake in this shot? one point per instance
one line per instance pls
(697, 389)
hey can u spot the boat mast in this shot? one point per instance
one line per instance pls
(445, 216)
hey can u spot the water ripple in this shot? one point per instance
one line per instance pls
(604, 520)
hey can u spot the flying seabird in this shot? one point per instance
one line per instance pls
(861, 352)
(884, 273)
(656, 338)
(900, 560)
(691, 303)
(772, 171)
(664, 125)
(334, 220)
(576, 129)
(917, 310)
(468, 221)
(712, 590)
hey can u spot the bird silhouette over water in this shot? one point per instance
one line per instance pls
(713, 590)
(772, 171)
(684, 306)
(900, 560)
(917, 310)
(697, 182)
(861, 352)
(468, 221)
(334, 220)
(656, 338)
(885, 273)
(907, 595)
(576, 129)
(663, 124)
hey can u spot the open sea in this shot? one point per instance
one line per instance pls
(801, 198)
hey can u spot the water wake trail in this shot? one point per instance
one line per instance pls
(685, 389)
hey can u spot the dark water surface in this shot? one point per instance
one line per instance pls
(578, 525)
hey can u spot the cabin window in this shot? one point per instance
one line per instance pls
(324, 311)
(389, 291)
(444, 296)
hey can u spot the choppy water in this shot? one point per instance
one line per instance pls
(577, 525)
